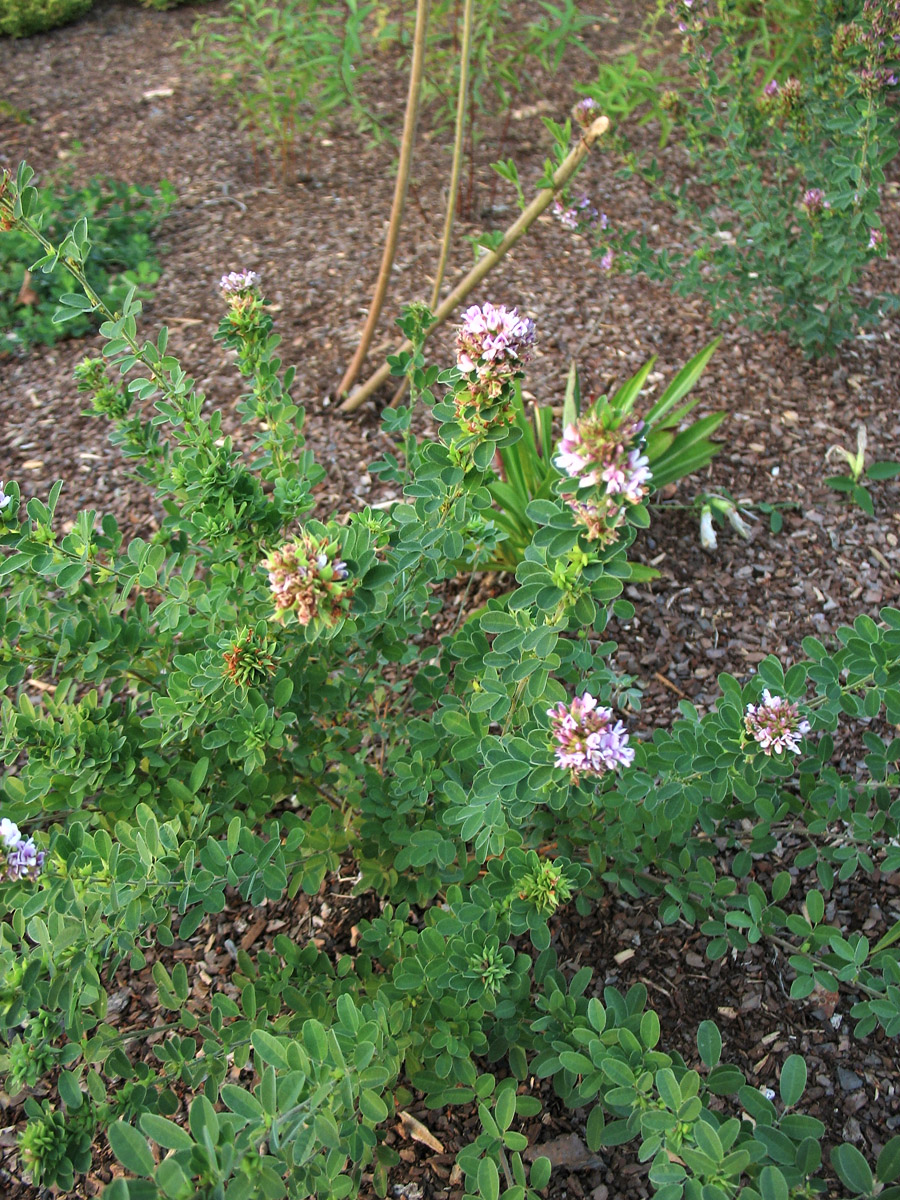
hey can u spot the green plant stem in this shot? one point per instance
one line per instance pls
(400, 189)
(487, 262)
(75, 270)
(455, 171)
(130, 1034)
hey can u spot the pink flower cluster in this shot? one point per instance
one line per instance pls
(23, 858)
(814, 201)
(236, 282)
(582, 211)
(775, 724)
(494, 342)
(608, 458)
(587, 741)
(307, 578)
(599, 456)
(586, 110)
(783, 98)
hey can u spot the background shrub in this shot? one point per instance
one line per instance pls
(122, 255)
(788, 119)
(19, 18)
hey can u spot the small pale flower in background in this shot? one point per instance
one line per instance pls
(771, 88)
(9, 832)
(565, 216)
(578, 213)
(708, 539)
(586, 110)
(587, 740)
(236, 282)
(5, 500)
(814, 201)
(776, 724)
(606, 261)
(876, 238)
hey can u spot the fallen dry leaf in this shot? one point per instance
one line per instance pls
(410, 1127)
(567, 1150)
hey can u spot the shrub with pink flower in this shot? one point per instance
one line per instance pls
(598, 454)
(308, 579)
(494, 343)
(588, 741)
(775, 725)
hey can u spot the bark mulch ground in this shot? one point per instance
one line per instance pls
(117, 84)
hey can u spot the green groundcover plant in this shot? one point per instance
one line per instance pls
(789, 121)
(235, 706)
(21, 18)
(122, 256)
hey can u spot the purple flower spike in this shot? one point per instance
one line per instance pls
(494, 341)
(587, 741)
(24, 860)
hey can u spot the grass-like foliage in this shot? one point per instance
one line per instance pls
(163, 5)
(251, 698)
(289, 68)
(20, 18)
(286, 67)
(122, 256)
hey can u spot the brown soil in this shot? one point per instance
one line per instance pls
(317, 245)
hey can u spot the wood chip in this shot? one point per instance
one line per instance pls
(414, 1129)
(253, 933)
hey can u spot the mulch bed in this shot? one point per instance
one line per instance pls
(116, 84)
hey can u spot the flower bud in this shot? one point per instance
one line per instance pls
(708, 538)
(737, 522)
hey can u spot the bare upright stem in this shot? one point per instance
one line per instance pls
(520, 226)
(455, 170)
(400, 189)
